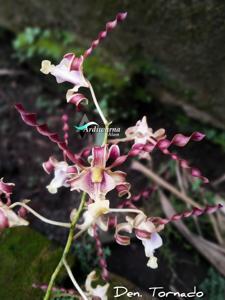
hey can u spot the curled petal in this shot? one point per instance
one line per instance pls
(122, 239)
(145, 194)
(50, 164)
(142, 234)
(123, 189)
(143, 227)
(6, 188)
(75, 98)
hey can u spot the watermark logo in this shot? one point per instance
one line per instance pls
(85, 126)
(89, 127)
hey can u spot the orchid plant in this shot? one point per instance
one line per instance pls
(94, 173)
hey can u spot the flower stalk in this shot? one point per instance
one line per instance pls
(40, 217)
(67, 247)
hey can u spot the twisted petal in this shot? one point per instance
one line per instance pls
(6, 188)
(49, 165)
(123, 189)
(75, 98)
(122, 239)
(102, 35)
(31, 120)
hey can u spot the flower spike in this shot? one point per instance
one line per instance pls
(209, 209)
(184, 164)
(101, 256)
(102, 35)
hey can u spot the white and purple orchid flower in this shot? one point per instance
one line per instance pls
(94, 216)
(8, 218)
(61, 171)
(97, 179)
(70, 69)
(142, 134)
(145, 230)
(100, 291)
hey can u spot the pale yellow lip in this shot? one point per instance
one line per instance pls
(96, 174)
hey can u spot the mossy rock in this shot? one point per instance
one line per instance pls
(27, 257)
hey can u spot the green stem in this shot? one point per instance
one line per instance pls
(76, 285)
(37, 215)
(97, 105)
(105, 139)
(66, 249)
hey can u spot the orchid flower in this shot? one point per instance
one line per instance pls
(95, 177)
(141, 133)
(93, 216)
(146, 231)
(98, 179)
(8, 218)
(61, 171)
(70, 69)
(100, 291)
(6, 189)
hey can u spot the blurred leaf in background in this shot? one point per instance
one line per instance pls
(213, 286)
